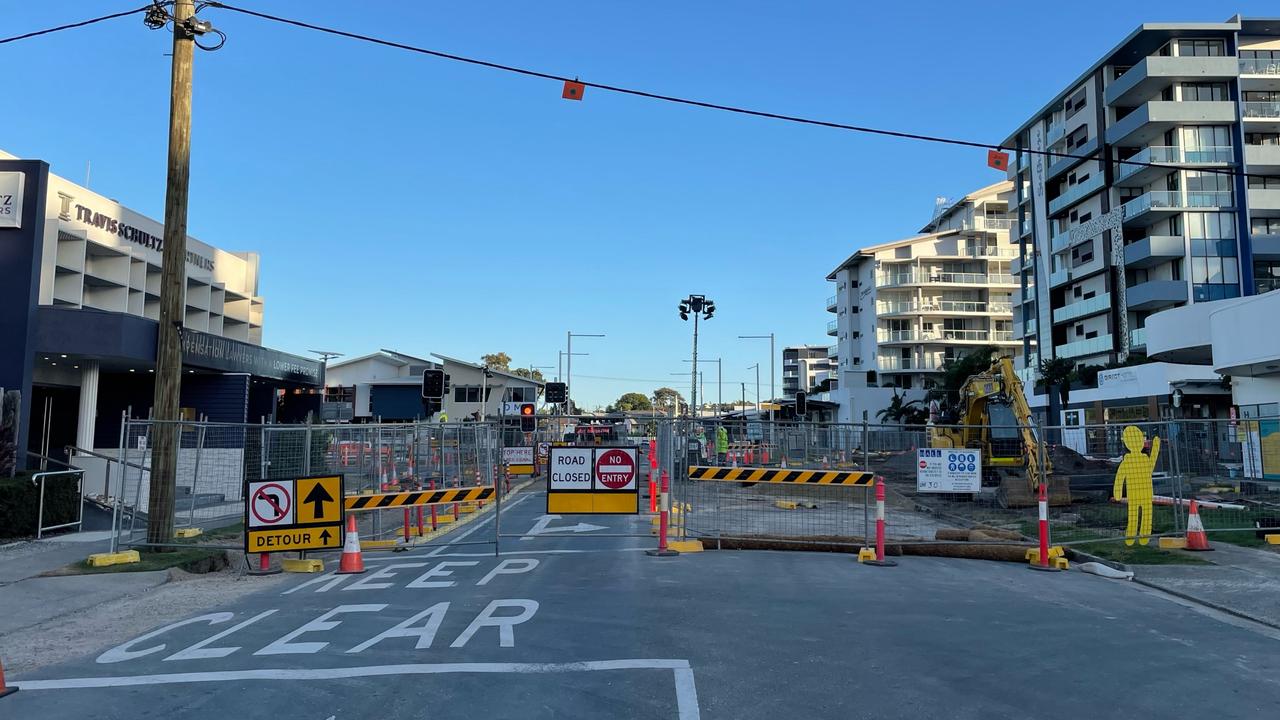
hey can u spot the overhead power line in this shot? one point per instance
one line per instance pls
(72, 26)
(700, 103)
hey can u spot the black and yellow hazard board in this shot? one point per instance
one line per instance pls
(294, 514)
(845, 478)
(418, 497)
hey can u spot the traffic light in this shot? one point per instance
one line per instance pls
(528, 419)
(432, 384)
(556, 392)
(802, 403)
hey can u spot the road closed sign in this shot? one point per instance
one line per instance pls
(948, 470)
(593, 481)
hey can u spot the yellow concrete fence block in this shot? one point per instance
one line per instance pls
(685, 546)
(118, 558)
(302, 566)
(1173, 543)
(188, 532)
(866, 554)
(785, 504)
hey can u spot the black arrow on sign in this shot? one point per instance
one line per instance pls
(324, 536)
(318, 496)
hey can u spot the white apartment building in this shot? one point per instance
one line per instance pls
(805, 367)
(905, 307)
(1105, 244)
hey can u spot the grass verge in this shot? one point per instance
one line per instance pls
(193, 559)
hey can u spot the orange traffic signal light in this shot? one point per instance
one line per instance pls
(528, 421)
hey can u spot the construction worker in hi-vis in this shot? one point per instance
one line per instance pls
(1133, 480)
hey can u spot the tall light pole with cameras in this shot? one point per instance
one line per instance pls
(698, 306)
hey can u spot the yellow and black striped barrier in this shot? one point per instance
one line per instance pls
(417, 497)
(844, 478)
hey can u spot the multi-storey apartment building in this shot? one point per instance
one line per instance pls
(1105, 243)
(805, 367)
(903, 308)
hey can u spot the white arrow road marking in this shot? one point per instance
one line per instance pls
(543, 527)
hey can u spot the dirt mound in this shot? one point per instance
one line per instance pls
(1066, 460)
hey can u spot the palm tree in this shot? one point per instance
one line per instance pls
(1059, 372)
(906, 413)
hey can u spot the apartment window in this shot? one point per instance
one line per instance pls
(1078, 138)
(1205, 136)
(1203, 92)
(1216, 187)
(1260, 54)
(1079, 330)
(1262, 96)
(1119, 70)
(1076, 103)
(1264, 226)
(1212, 225)
(521, 395)
(1262, 139)
(1265, 182)
(466, 393)
(1266, 275)
(1201, 48)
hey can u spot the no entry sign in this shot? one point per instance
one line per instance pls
(616, 469)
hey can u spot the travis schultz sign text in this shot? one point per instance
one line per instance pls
(219, 353)
(135, 235)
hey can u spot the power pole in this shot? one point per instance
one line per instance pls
(173, 285)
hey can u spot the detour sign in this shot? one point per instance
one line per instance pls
(616, 469)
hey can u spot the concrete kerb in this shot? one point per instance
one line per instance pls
(1206, 603)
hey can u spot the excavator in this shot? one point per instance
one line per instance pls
(993, 416)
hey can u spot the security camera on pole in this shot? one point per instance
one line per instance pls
(696, 305)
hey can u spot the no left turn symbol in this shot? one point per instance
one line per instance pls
(270, 504)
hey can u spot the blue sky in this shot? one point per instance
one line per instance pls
(411, 203)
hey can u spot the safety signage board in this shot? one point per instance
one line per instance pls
(948, 470)
(593, 481)
(519, 460)
(295, 514)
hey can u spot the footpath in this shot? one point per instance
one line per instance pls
(1241, 581)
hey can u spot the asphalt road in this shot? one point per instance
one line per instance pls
(578, 624)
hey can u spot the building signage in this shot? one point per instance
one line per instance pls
(11, 184)
(593, 481)
(138, 236)
(948, 470)
(218, 353)
(300, 514)
(519, 460)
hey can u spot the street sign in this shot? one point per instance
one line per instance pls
(296, 514)
(948, 470)
(616, 469)
(519, 460)
(593, 481)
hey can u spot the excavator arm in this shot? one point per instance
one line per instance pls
(1026, 424)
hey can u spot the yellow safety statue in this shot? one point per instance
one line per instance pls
(1133, 480)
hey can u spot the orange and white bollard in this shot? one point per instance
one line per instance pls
(1044, 562)
(879, 560)
(664, 515)
(434, 522)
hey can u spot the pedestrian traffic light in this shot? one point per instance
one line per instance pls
(556, 392)
(432, 384)
(802, 403)
(528, 421)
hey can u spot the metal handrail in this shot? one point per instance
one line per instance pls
(40, 476)
(112, 458)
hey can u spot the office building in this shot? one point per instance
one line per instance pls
(79, 305)
(807, 367)
(905, 307)
(1104, 244)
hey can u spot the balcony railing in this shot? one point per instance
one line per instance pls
(1175, 155)
(1138, 338)
(1173, 200)
(832, 327)
(990, 251)
(833, 351)
(942, 306)
(831, 303)
(1095, 304)
(1025, 228)
(1260, 109)
(1259, 66)
(988, 223)
(1080, 348)
(899, 364)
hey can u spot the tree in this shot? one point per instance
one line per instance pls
(497, 361)
(906, 413)
(524, 373)
(1059, 372)
(666, 398)
(956, 371)
(631, 401)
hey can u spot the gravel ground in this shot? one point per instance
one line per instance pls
(111, 623)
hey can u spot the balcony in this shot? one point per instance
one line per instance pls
(1151, 207)
(1134, 175)
(1075, 156)
(1083, 308)
(1157, 72)
(833, 327)
(1259, 66)
(1262, 158)
(832, 303)
(1056, 132)
(944, 278)
(1264, 202)
(1060, 242)
(1138, 339)
(833, 351)
(1076, 193)
(1155, 294)
(1260, 110)
(899, 364)
(1265, 247)
(990, 251)
(1024, 229)
(1059, 276)
(1150, 120)
(1153, 250)
(987, 224)
(1081, 348)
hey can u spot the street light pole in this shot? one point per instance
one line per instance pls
(773, 389)
(700, 306)
(568, 369)
(757, 368)
(719, 380)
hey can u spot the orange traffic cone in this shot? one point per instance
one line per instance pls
(352, 561)
(1196, 537)
(750, 457)
(764, 455)
(5, 690)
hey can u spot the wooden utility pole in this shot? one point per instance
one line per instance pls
(173, 286)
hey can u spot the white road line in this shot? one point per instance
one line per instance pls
(542, 552)
(686, 692)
